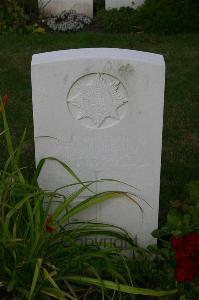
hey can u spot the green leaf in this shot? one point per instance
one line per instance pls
(53, 292)
(35, 278)
(13, 210)
(174, 219)
(89, 202)
(7, 131)
(64, 205)
(65, 166)
(155, 233)
(119, 287)
(62, 294)
(11, 285)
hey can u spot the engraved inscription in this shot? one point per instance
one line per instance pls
(97, 100)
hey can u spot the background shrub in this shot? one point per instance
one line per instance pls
(155, 16)
(98, 4)
(122, 20)
(169, 16)
(12, 16)
(30, 7)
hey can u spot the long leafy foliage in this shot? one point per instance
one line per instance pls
(39, 254)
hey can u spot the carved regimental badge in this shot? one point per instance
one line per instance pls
(97, 100)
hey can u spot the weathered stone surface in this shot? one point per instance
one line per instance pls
(54, 7)
(122, 3)
(101, 112)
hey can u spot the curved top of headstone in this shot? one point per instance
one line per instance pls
(97, 53)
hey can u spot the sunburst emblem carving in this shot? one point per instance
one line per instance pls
(97, 98)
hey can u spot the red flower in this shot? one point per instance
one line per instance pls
(187, 260)
(181, 249)
(49, 228)
(192, 240)
(185, 269)
(196, 261)
(5, 100)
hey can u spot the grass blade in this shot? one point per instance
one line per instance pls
(89, 202)
(53, 292)
(35, 278)
(54, 284)
(68, 200)
(119, 287)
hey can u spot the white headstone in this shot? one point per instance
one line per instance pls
(101, 112)
(54, 7)
(110, 4)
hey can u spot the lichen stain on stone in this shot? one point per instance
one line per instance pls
(125, 70)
